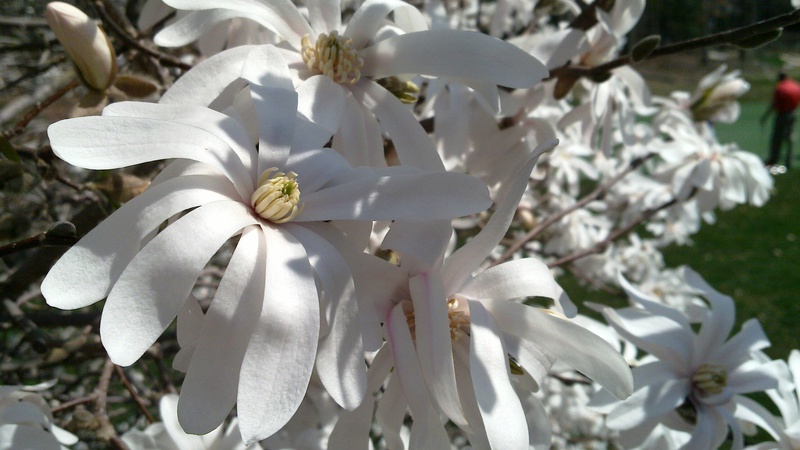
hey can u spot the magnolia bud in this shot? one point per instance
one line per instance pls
(86, 43)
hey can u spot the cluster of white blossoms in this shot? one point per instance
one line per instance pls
(394, 189)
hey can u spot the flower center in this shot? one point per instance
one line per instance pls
(710, 379)
(277, 196)
(332, 56)
(459, 321)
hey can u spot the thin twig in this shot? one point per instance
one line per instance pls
(128, 39)
(71, 403)
(553, 218)
(725, 37)
(600, 246)
(39, 107)
(134, 394)
(40, 240)
(100, 407)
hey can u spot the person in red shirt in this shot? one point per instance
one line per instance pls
(785, 100)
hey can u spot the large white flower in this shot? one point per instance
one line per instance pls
(364, 58)
(268, 179)
(449, 337)
(691, 383)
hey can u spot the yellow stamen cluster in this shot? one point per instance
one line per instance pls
(333, 57)
(277, 196)
(710, 379)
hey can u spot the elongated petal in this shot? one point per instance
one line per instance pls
(359, 138)
(421, 243)
(352, 428)
(428, 431)
(749, 339)
(278, 362)
(279, 15)
(649, 402)
(209, 390)
(570, 343)
(434, 351)
(325, 15)
(653, 305)
(368, 19)
(428, 196)
(113, 142)
(86, 273)
(656, 335)
(209, 79)
(465, 54)
(192, 26)
(340, 359)
(275, 102)
(413, 146)
(391, 413)
(503, 417)
(526, 277)
(460, 265)
(718, 324)
(321, 101)
(220, 125)
(154, 286)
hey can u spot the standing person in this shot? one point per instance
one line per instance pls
(784, 101)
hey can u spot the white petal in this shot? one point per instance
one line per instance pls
(428, 196)
(434, 351)
(391, 413)
(503, 417)
(275, 102)
(279, 15)
(340, 357)
(749, 339)
(570, 343)
(209, 79)
(526, 277)
(428, 430)
(657, 335)
(460, 265)
(154, 286)
(325, 15)
(192, 26)
(190, 323)
(278, 362)
(717, 325)
(209, 390)
(13, 436)
(359, 137)
(368, 19)
(649, 402)
(421, 243)
(113, 142)
(459, 53)
(321, 101)
(86, 273)
(221, 125)
(414, 147)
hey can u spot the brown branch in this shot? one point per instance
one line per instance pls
(725, 37)
(39, 107)
(75, 402)
(134, 394)
(106, 430)
(600, 246)
(133, 42)
(553, 218)
(45, 238)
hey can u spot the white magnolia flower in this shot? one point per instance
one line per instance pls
(287, 297)
(364, 58)
(715, 97)
(168, 434)
(26, 421)
(691, 383)
(449, 336)
(718, 175)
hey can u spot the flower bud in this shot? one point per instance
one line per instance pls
(86, 43)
